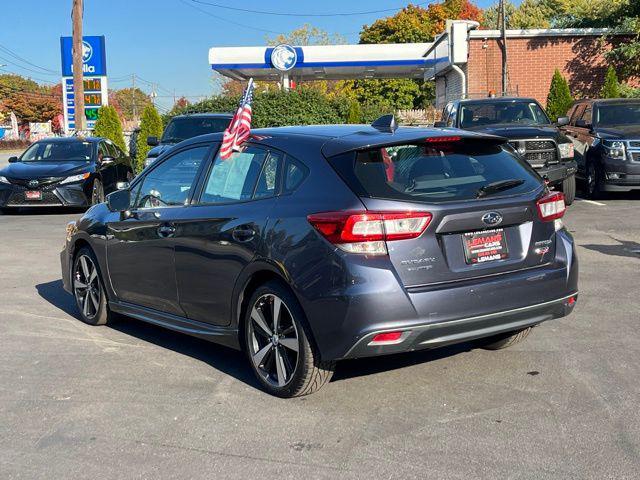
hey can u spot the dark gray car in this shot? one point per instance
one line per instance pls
(320, 243)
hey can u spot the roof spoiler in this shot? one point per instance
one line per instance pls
(386, 124)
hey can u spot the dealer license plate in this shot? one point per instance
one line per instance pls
(33, 195)
(485, 246)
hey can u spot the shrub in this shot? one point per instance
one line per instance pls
(150, 126)
(108, 126)
(559, 99)
(354, 115)
(611, 87)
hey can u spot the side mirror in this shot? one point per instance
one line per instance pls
(562, 121)
(582, 124)
(119, 201)
(107, 160)
(153, 141)
(122, 186)
(13, 159)
(440, 124)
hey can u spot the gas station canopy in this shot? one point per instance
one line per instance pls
(324, 62)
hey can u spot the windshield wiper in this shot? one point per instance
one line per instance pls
(500, 186)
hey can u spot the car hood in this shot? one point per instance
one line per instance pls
(619, 131)
(159, 150)
(31, 170)
(518, 132)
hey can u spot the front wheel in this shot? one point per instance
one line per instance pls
(88, 289)
(593, 181)
(97, 192)
(569, 189)
(278, 344)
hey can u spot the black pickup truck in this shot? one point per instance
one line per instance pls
(606, 136)
(529, 130)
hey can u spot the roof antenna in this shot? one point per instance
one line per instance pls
(386, 123)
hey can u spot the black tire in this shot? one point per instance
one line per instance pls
(568, 187)
(280, 370)
(505, 340)
(96, 311)
(97, 192)
(593, 181)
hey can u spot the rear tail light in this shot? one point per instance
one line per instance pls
(442, 139)
(551, 207)
(387, 338)
(367, 232)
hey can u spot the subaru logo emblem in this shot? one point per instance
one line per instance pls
(492, 219)
(33, 183)
(283, 57)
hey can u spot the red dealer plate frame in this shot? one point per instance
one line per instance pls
(33, 195)
(485, 246)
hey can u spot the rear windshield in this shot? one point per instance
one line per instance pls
(436, 173)
(180, 129)
(501, 113)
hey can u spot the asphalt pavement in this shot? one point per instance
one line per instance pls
(135, 401)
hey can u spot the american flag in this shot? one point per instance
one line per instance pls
(240, 127)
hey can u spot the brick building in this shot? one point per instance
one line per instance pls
(468, 62)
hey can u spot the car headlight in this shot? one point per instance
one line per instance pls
(4, 179)
(566, 150)
(76, 178)
(614, 148)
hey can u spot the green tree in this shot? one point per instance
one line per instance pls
(354, 114)
(150, 126)
(611, 87)
(559, 99)
(307, 35)
(108, 126)
(130, 101)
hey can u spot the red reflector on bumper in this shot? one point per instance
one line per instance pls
(387, 338)
(571, 301)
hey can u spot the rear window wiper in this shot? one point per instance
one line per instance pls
(498, 187)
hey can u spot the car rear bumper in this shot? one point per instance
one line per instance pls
(71, 195)
(433, 335)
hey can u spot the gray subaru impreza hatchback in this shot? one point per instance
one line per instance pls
(320, 243)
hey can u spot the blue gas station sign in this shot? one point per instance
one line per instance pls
(94, 59)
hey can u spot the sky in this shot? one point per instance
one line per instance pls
(167, 41)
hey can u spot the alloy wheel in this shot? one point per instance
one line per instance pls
(86, 286)
(273, 340)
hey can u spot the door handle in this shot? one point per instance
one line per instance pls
(166, 230)
(243, 234)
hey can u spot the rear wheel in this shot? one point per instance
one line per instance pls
(505, 340)
(278, 344)
(88, 289)
(97, 193)
(569, 189)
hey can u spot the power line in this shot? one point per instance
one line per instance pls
(24, 60)
(28, 77)
(201, 10)
(288, 14)
(16, 65)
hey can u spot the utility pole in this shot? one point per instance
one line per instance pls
(78, 82)
(133, 96)
(503, 34)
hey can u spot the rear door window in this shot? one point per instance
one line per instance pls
(434, 172)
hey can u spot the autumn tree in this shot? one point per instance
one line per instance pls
(30, 101)
(131, 101)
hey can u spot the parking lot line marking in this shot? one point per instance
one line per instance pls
(600, 204)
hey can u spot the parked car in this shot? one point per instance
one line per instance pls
(320, 243)
(533, 136)
(69, 172)
(183, 127)
(606, 136)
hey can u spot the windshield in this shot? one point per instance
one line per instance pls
(183, 128)
(436, 172)
(58, 152)
(620, 114)
(499, 113)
